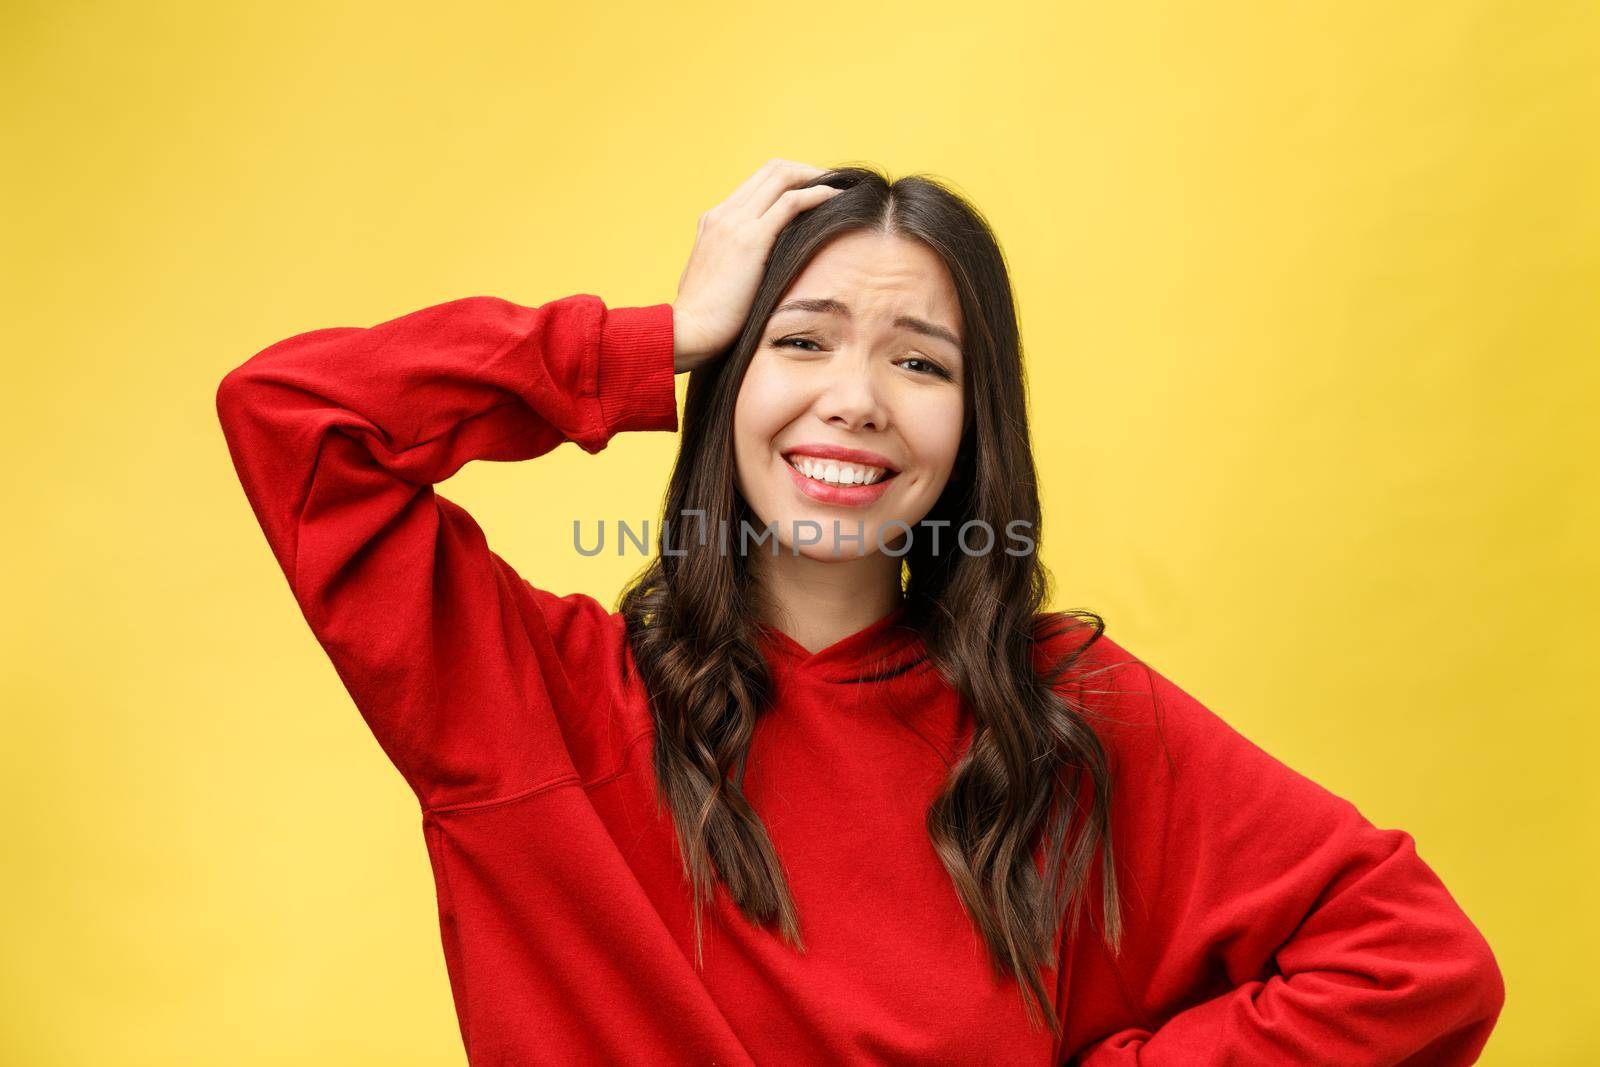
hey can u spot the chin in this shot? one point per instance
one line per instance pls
(823, 553)
(849, 547)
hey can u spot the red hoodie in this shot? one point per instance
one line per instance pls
(1267, 921)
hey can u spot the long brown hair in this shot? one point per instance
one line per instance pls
(691, 622)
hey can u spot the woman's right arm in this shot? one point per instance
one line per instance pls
(339, 435)
(461, 668)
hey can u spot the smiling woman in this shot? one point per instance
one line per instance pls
(869, 379)
(883, 328)
(894, 783)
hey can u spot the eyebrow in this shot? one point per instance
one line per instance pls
(828, 306)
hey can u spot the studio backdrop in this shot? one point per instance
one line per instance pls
(1307, 299)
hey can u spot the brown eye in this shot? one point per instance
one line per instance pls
(785, 342)
(931, 368)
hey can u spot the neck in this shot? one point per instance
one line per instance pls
(818, 602)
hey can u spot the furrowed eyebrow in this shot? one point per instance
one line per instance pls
(828, 306)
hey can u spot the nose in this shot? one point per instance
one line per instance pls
(850, 399)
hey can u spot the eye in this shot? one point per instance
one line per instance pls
(933, 368)
(783, 342)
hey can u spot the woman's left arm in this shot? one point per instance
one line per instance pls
(1267, 921)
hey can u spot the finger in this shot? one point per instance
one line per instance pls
(791, 203)
(782, 180)
(746, 187)
(783, 176)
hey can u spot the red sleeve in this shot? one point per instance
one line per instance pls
(338, 436)
(1267, 921)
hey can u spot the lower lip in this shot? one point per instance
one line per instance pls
(850, 496)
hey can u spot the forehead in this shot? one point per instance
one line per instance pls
(880, 276)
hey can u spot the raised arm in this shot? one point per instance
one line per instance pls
(1267, 921)
(459, 667)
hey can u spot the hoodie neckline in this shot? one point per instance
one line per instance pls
(881, 644)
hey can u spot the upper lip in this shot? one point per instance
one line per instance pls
(843, 454)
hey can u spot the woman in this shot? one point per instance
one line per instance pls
(816, 793)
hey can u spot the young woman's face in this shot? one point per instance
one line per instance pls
(858, 381)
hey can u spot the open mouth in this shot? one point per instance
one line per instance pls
(838, 473)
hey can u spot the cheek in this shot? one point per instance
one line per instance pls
(934, 434)
(759, 414)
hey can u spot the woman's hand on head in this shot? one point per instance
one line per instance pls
(731, 246)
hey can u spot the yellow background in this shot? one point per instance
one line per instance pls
(1316, 284)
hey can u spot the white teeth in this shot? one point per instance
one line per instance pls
(835, 473)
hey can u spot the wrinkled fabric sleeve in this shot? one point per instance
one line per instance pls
(459, 667)
(1267, 920)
